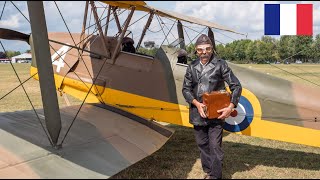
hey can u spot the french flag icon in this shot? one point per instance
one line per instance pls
(288, 19)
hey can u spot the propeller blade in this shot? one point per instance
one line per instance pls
(13, 35)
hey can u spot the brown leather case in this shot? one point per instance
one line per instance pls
(214, 101)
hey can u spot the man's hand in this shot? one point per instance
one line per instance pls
(200, 108)
(226, 111)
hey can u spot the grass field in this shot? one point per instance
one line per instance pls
(18, 100)
(245, 157)
(300, 72)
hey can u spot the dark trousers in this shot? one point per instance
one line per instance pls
(209, 139)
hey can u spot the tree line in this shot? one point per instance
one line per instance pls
(287, 49)
(9, 54)
(265, 50)
(270, 50)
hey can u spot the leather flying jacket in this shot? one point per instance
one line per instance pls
(212, 78)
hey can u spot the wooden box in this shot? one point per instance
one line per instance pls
(215, 101)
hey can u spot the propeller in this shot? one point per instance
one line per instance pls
(13, 35)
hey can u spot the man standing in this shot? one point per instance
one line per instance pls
(205, 74)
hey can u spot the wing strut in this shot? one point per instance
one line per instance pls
(116, 50)
(116, 19)
(84, 25)
(107, 23)
(41, 55)
(211, 36)
(96, 17)
(181, 36)
(145, 29)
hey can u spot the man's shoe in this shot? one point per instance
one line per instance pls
(206, 176)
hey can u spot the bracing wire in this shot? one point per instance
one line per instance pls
(186, 33)
(85, 99)
(20, 12)
(79, 54)
(293, 73)
(166, 27)
(189, 43)
(4, 5)
(21, 84)
(310, 119)
(165, 37)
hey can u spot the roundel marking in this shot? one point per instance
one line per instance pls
(243, 119)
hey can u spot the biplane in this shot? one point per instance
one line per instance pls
(125, 93)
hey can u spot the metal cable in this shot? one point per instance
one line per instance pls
(78, 110)
(168, 42)
(3, 9)
(102, 19)
(78, 49)
(36, 74)
(191, 40)
(21, 84)
(84, 101)
(20, 12)
(315, 75)
(105, 8)
(155, 31)
(186, 33)
(223, 34)
(216, 30)
(193, 29)
(89, 22)
(138, 20)
(197, 36)
(299, 68)
(293, 73)
(70, 68)
(165, 37)
(50, 46)
(189, 27)
(167, 27)
(17, 86)
(169, 31)
(28, 97)
(102, 5)
(239, 114)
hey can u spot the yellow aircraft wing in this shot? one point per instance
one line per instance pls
(142, 6)
(190, 19)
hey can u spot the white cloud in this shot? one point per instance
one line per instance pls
(11, 23)
(72, 13)
(244, 17)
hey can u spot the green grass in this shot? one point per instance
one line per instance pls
(17, 100)
(311, 72)
(245, 156)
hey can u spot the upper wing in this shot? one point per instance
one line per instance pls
(142, 6)
(190, 19)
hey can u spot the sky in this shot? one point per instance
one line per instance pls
(246, 17)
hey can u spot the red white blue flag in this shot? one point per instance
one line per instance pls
(288, 19)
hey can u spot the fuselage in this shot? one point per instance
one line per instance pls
(151, 87)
